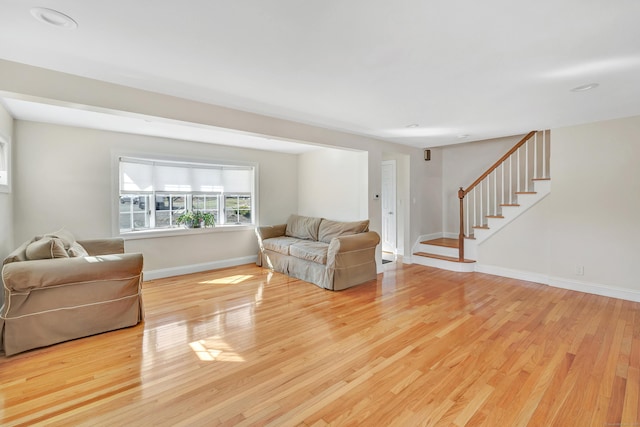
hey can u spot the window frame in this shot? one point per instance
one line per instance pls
(153, 232)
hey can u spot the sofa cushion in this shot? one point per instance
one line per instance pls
(303, 227)
(311, 251)
(329, 229)
(279, 244)
(77, 250)
(65, 236)
(46, 248)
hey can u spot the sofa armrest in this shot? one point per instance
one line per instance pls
(109, 246)
(267, 232)
(354, 242)
(28, 275)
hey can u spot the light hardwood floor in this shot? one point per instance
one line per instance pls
(419, 346)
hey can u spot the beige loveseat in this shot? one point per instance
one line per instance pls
(56, 289)
(334, 255)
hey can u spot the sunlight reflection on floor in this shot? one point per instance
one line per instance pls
(215, 349)
(230, 280)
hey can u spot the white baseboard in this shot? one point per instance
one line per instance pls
(595, 288)
(512, 274)
(558, 282)
(196, 268)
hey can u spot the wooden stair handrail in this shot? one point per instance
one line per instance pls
(499, 162)
(462, 192)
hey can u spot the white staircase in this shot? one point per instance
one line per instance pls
(437, 256)
(515, 183)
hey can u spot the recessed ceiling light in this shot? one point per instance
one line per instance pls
(586, 87)
(413, 125)
(53, 17)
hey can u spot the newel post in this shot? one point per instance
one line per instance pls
(461, 195)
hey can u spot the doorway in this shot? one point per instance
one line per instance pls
(389, 214)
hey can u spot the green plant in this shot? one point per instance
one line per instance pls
(196, 219)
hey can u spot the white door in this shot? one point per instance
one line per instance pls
(389, 206)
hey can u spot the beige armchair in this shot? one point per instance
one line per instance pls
(47, 301)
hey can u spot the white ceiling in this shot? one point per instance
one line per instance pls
(371, 67)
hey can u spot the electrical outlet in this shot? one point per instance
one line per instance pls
(579, 270)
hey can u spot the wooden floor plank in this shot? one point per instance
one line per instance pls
(243, 346)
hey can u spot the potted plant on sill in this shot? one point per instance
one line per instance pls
(196, 219)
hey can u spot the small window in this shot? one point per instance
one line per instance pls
(154, 193)
(5, 163)
(237, 209)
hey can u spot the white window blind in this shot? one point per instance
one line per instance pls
(141, 175)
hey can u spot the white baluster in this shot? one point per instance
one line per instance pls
(510, 178)
(544, 155)
(495, 192)
(526, 166)
(502, 186)
(481, 205)
(466, 219)
(535, 155)
(518, 172)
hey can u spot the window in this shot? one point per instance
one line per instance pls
(154, 193)
(5, 159)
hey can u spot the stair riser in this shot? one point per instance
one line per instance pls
(437, 250)
(462, 267)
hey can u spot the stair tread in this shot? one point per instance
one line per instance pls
(495, 216)
(481, 227)
(541, 179)
(526, 192)
(510, 204)
(443, 257)
(442, 241)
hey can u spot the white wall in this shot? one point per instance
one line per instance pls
(462, 165)
(590, 219)
(6, 199)
(333, 184)
(63, 178)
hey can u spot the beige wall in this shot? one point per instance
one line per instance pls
(427, 206)
(64, 178)
(333, 184)
(590, 219)
(6, 199)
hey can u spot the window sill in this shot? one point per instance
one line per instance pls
(174, 232)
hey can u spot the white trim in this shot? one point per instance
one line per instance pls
(559, 282)
(595, 288)
(181, 231)
(197, 268)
